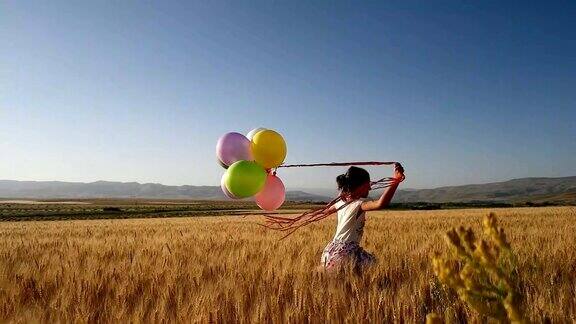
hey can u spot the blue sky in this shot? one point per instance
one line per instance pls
(460, 92)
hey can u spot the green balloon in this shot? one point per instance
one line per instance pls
(245, 178)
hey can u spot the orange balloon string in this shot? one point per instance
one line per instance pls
(291, 224)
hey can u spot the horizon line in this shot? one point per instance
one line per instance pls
(291, 188)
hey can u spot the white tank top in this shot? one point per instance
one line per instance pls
(351, 221)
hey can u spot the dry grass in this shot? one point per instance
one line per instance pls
(227, 268)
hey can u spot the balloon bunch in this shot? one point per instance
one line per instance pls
(249, 162)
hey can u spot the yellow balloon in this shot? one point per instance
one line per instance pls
(268, 148)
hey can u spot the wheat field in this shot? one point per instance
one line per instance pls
(228, 269)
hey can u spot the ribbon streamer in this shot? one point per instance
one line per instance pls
(335, 164)
(291, 224)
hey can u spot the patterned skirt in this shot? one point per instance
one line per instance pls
(336, 253)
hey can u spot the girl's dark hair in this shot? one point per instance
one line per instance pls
(352, 179)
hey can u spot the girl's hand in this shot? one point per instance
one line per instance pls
(399, 172)
(387, 195)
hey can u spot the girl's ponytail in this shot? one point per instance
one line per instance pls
(343, 183)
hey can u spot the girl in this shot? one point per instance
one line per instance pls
(354, 186)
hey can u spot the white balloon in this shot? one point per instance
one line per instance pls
(225, 188)
(253, 132)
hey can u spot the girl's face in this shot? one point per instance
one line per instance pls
(364, 190)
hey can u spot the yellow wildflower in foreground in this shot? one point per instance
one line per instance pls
(482, 272)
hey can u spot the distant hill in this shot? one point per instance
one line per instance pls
(108, 189)
(557, 190)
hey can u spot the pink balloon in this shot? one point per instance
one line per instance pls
(273, 194)
(233, 147)
(225, 189)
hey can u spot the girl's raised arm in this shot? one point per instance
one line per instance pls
(387, 195)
